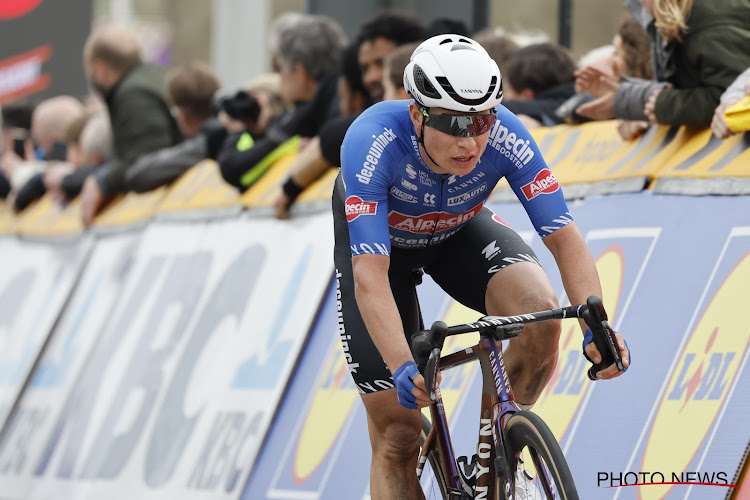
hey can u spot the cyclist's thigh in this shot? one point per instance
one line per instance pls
(471, 258)
(366, 365)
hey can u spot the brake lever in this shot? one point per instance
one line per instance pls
(603, 337)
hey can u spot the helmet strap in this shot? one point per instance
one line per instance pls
(420, 138)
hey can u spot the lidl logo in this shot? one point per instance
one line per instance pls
(561, 400)
(699, 385)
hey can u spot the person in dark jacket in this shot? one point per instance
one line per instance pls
(191, 89)
(538, 78)
(141, 120)
(707, 47)
(308, 55)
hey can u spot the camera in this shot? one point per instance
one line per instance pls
(240, 105)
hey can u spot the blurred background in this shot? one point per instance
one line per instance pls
(231, 35)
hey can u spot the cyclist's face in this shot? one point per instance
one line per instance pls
(371, 55)
(454, 155)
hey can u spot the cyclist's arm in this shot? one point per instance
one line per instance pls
(580, 279)
(378, 308)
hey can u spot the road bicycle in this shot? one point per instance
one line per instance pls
(517, 456)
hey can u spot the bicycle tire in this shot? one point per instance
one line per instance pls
(438, 472)
(526, 429)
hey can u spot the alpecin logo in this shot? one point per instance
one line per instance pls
(355, 207)
(431, 222)
(544, 183)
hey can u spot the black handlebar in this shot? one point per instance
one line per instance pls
(426, 345)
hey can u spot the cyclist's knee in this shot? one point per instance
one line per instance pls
(398, 440)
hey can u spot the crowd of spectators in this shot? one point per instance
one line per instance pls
(672, 62)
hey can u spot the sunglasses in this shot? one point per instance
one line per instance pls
(460, 125)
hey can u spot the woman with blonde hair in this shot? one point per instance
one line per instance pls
(706, 47)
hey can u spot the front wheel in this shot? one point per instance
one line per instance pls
(537, 465)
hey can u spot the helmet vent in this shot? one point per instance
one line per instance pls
(447, 40)
(423, 83)
(457, 46)
(443, 81)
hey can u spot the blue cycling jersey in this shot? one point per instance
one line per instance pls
(393, 198)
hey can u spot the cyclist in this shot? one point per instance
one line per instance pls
(410, 196)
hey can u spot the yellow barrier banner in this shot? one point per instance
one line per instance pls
(200, 188)
(131, 209)
(321, 189)
(47, 218)
(265, 191)
(8, 221)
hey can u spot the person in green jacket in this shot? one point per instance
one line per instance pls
(707, 48)
(135, 95)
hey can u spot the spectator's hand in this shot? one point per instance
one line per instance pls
(281, 207)
(601, 108)
(55, 173)
(747, 86)
(92, 200)
(631, 129)
(719, 124)
(650, 109)
(595, 81)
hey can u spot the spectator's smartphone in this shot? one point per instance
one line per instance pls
(18, 147)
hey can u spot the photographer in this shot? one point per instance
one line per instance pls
(308, 56)
(190, 89)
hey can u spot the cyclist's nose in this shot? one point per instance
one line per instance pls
(467, 143)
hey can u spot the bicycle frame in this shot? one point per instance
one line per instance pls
(497, 401)
(497, 404)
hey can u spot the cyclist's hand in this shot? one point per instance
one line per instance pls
(593, 354)
(410, 386)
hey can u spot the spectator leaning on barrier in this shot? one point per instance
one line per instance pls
(708, 49)
(322, 152)
(630, 63)
(734, 94)
(15, 127)
(56, 172)
(626, 99)
(377, 38)
(140, 116)
(537, 79)
(49, 126)
(309, 50)
(190, 89)
(65, 181)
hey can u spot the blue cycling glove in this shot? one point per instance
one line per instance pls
(588, 337)
(404, 380)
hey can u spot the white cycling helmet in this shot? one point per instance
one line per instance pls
(453, 72)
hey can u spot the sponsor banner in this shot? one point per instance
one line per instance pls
(201, 189)
(264, 191)
(131, 209)
(8, 220)
(708, 165)
(47, 218)
(33, 291)
(321, 189)
(40, 41)
(659, 281)
(176, 395)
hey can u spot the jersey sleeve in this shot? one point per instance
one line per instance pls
(367, 159)
(532, 180)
